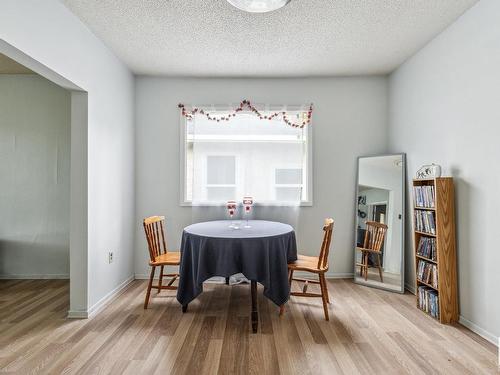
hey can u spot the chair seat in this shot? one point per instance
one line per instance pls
(362, 249)
(172, 258)
(306, 263)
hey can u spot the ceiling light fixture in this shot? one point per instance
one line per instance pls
(258, 6)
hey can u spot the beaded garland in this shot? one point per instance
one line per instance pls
(189, 114)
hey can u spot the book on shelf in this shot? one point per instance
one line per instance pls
(428, 301)
(423, 196)
(427, 272)
(427, 248)
(424, 222)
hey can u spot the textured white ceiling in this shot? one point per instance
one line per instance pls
(305, 38)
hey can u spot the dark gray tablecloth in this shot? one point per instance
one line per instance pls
(261, 253)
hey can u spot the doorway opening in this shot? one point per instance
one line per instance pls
(35, 124)
(46, 199)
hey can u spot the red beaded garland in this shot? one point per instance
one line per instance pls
(246, 103)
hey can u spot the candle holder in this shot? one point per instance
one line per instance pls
(247, 205)
(231, 210)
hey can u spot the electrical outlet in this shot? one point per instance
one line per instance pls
(110, 257)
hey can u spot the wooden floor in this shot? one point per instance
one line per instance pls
(370, 332)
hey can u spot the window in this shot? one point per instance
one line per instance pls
(245, 156)
(288, 184)
(221, 178)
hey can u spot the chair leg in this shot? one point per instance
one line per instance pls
(380, 268)
(326, 288)
(146, 301)
(365, 266)
(282, 309)
(361, 269)
(161, 279)
(324, 297)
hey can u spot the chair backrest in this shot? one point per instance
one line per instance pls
(153, 227)
(325, 245)
(374, 235)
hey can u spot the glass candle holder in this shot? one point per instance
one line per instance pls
(247, 206)
(231, 210)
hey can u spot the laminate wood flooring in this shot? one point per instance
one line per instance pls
(370, 332)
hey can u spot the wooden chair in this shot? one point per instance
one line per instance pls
(374, 239)
(316, 265)
(159, 255)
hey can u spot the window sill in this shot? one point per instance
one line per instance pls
(259, 204)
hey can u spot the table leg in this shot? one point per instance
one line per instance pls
(227, 280)
(255, 314)
(184, 308)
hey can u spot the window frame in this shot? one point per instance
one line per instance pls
(308, 183)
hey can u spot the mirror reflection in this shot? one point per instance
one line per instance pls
(379, 222)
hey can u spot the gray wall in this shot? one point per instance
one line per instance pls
(445, 108)
(350, 119)
(102, 147)
(34, 169)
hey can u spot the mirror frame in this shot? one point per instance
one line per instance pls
(403, 225)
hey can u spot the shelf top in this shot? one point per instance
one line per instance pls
(425, 233)
(432, 179)
(426, 259)
(429, 285)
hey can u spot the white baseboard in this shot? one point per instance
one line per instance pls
(77, 314)
(339, 275)
(103, 302)
(62, 276)
(143, 276)
(329, 275)
(480, 331)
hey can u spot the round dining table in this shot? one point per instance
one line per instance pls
(259, 249)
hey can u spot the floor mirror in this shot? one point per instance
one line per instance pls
(379, 225)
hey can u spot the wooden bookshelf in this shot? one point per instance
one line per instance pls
(446, 261)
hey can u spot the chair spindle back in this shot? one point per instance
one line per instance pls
(155, 234)
(325, 245)
(374, 236)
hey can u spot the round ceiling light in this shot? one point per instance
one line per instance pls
(258, 6)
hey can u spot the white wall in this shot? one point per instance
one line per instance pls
(444, 108)
(104, 194)
(349, 120)
(35, 122)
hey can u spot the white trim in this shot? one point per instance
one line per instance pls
(183, 160)
(143, 276)
(479, 331)
(308, 184)
(329, 275)
(339, 275)
(62, 276)
(77, 314)
(103, 302)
